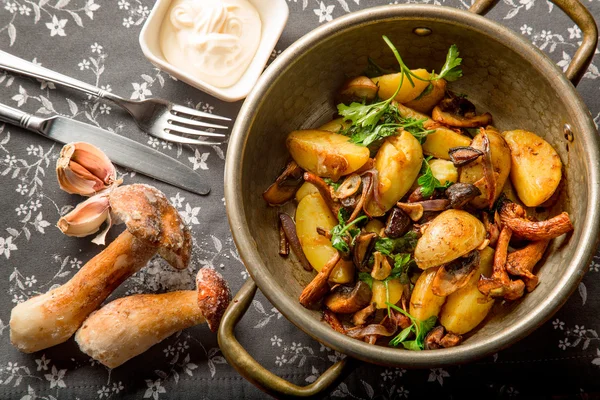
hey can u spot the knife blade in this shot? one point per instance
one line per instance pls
(121, 150)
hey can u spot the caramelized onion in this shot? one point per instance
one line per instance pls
(289, 227)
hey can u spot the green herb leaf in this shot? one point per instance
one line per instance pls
(420, 329)
(366, 278)
(340, 232)
(427, 181)
(405, 244)
(331, 183)
(425, 92)
(373, 69)
(451, 70)
(402, 336)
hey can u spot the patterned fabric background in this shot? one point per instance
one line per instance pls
(96, 41)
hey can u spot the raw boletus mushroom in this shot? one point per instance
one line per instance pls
(153, 225)
(348, 300)
(127, 327)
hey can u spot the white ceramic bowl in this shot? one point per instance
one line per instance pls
(273, 14)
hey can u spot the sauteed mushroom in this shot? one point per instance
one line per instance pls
(460, 194)
(381, 267)
(363, 316)
(437, 338)
(333, 321)
(398, 223)
(513, 216)
(318, 287)
(463, 155)
(348, 300)
(499, 284)
(521, 262)
(285, 186)
(454, 275)
(459, 112)
(363, 246)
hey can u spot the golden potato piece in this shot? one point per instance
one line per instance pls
(429, 97)
(389, 83)
(501, 163)
(450, 235)
(312, 212)
(536, 167)
(444, 171)
(380, 295)
(326, 154)
(306, 189)
(358, 88)
(423, 303)
(374, 226)
(467, 307)
(343, 272)
(335, 125)
(439, 142)
(398, 162)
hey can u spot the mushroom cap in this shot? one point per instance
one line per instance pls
(213, 296)
(150, 217)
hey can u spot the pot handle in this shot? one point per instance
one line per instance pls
(250, 369)
(584, 20)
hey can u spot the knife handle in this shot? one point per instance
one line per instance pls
(17, 65)
(20, 118)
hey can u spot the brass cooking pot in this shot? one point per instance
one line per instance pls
(503, 74)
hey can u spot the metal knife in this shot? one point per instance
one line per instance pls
(121, 150)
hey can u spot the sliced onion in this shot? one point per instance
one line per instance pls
(289, 227)
(488, 169)
(373, 329)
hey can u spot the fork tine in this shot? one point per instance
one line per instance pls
(193, 122)
(187, 131)
(196, 113)
(180, 139)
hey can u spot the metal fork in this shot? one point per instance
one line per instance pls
(157, 117)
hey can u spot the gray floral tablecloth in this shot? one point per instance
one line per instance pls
(96, 41)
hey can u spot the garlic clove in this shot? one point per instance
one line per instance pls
(86, 218)
(84, 169)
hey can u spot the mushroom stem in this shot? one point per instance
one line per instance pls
(513, 216)
(52, 318)
(318, 288)
(499, 284)
(129, 326)
(521, 262)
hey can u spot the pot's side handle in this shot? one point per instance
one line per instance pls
(250, 369)
(582, 17)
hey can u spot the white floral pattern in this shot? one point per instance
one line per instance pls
(96, 41)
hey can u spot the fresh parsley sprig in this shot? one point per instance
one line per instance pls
(418, 327)
(427, 181)
(342, 229)
(451, 70)
(404, 244)
(367, 116)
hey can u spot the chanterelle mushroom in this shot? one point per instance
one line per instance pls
(128, 326)
(153, 225)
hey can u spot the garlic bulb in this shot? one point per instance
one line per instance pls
(84, 169)
(87, 218)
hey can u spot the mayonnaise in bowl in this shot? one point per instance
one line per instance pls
(212, 40)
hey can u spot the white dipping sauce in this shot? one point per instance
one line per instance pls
(212, 40)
